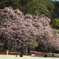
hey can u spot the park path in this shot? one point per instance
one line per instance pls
(25, 57)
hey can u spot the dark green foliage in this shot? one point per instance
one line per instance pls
(1, 16)
(55, 20)
(37, 7)
(41, 48)
(56, 11)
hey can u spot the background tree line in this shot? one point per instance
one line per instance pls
(36, 7)
(55, 20)
(30, 6)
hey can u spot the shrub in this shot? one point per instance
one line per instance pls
(55, 23)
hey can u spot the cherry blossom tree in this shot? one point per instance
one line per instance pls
(18, 28)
